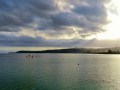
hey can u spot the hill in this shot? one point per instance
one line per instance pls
(79, 50)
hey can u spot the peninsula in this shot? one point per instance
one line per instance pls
(78, 50)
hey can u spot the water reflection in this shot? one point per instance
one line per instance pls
(60, 72)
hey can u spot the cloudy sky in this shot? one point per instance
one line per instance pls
(48, 24)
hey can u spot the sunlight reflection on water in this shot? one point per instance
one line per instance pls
(59, 72)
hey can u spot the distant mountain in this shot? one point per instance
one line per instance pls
(114, 50)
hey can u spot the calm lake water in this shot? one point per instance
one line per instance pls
(59, 72)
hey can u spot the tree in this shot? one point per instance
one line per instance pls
(109, 51)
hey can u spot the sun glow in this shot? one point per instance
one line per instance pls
(113, 28)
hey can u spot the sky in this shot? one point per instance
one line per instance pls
(50, 24)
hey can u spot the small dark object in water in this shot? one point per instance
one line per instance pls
(78, 64)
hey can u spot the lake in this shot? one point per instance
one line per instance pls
(59, 72)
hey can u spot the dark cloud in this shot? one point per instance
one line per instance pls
(3, 4)
(71, 19)
(43, 5)
(11, 40)
(15, 13)
(23, 41)
(94, 12)
(45, 15)
(67, 19)
(91, 14)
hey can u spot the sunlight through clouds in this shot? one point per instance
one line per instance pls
(113, 28)
(58, 23)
